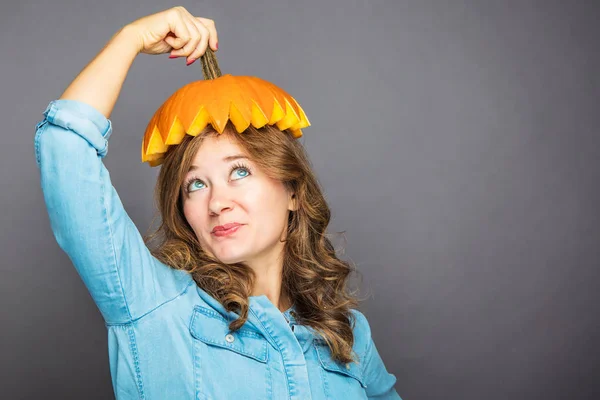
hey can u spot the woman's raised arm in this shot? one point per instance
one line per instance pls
(100, 82)
(86, 214)
(174, 30)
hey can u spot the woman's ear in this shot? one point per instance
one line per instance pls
(293, 203)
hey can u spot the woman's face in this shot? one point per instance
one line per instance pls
(224, 190)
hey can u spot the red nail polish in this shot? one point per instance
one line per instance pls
(173, 56)
(217, 45)
(190, 62)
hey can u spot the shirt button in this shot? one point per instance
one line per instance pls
(293, 314)
(229, 338)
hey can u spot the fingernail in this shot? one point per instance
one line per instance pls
(173, 56)
(191, 62)
(217, 45)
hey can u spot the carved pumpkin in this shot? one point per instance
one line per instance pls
(243, 100)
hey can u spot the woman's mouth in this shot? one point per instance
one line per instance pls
(227, 232)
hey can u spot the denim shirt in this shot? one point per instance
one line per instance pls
(168, 338)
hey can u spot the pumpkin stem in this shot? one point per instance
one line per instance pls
(210, 66)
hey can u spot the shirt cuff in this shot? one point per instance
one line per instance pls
(83, 119)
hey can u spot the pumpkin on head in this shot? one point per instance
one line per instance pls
(217, 99)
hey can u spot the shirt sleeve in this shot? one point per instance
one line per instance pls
(379, 382)
(88, 220)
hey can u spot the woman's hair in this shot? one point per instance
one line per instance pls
(313, 276)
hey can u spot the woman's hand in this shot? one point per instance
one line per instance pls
(177, 31)
(174, 30)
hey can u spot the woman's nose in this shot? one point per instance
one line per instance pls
(220, 201)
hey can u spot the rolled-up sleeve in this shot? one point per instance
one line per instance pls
(87, 217)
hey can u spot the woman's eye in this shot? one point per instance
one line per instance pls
(244, 173)
(240, 172)
(195, 185)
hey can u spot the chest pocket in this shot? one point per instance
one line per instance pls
(339, 379)
(227, 364)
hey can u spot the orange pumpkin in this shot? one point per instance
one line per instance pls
(243, 100)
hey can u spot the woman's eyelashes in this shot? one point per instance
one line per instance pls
(194, 183)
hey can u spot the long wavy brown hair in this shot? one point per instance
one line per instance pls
(314, 278)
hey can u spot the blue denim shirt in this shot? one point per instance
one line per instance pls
(168, 338)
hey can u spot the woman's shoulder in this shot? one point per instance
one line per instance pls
(360, 321)
(361, 330)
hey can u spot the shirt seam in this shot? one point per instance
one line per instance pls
(41, 126)
(136, 361)
(114, 251)
(152, 310)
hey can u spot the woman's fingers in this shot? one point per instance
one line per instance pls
(202, 44)
(177, 31)
(178, 26)
(213, 39)
(202, 30)
(186, 47)
(195, 41)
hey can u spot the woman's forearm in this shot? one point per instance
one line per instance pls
(100, 82)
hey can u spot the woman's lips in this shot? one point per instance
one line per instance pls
(227, 232)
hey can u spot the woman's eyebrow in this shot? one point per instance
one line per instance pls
(234, 157)
(226, 159)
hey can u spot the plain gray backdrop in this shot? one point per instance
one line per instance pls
(458, 146)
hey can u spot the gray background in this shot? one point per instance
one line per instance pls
(457, 143)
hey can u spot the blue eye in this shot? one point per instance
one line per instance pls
(246, 172)
(194, 183)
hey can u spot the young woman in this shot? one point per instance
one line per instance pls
(243, 297)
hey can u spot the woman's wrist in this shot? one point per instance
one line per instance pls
(127, 40)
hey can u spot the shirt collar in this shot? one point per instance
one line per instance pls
(260, 304)
(262, 312)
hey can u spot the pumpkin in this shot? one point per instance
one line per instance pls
(217, 99)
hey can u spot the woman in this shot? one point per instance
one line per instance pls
(243, 297)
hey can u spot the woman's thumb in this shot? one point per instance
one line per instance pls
(173, 41)
(179, 34)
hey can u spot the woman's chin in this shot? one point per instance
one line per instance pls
(230, 257)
